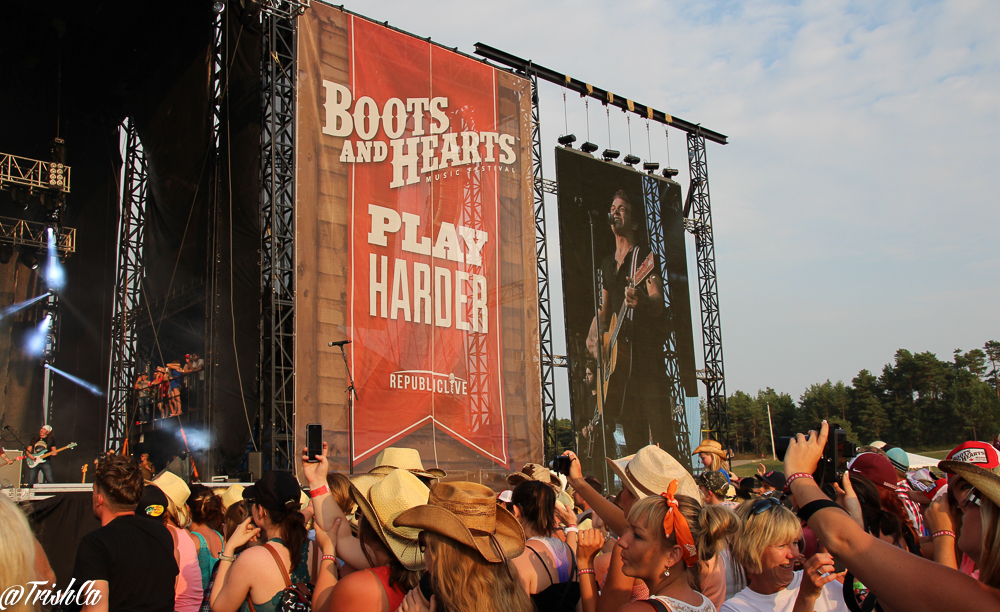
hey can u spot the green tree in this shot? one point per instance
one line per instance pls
(866, 409)
(992, 350)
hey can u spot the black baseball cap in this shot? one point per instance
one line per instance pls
(776, 479)
(153, 503)
(276, 491)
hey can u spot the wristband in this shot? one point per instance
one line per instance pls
(328, 558)
(223, 557)
(943, 532)
(796, 476)
(809, 509)
(320, 491)
(586, 571)
(568, 529)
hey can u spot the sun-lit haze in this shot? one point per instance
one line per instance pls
(855, 208)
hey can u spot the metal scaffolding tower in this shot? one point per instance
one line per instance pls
(277, 225)
(128, 280)
(711, 328)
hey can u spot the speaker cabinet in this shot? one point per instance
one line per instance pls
(10, 475)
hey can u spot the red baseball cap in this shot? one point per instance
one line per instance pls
(875, 468)
(979, 454)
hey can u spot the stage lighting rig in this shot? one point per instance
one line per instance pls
(610, 154)
(218, 6)
(588, 147)
(670, 172)
(650, 167)
(631, 159)
(567, 140)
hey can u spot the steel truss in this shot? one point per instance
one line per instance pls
(18, 232)
(672, 366)
(711, 328)
(277, 224)
(548, 375)
(128, 280)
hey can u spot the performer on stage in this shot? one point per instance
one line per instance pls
(38, 446)
(638, 394)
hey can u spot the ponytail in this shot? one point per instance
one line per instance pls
(537, 501)
(292, 527)
(715, 525)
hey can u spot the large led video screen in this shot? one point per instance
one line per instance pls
(627, 308)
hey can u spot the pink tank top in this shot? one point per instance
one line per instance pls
(188, 591)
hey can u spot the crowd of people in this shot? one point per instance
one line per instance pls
(160, 393)
(406, 538)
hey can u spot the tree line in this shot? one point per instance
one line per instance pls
(917, 402)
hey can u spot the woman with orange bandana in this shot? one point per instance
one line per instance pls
(668, 535)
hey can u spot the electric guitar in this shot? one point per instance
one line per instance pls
(83, 470)
(616, 356)
(40, 459)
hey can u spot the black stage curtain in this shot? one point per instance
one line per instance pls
(59, 523)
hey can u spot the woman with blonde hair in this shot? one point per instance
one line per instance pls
(669, 538)
(468, 543)
(18, 544)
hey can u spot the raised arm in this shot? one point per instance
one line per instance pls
(327, 511)
(885, 569)
(611, 514)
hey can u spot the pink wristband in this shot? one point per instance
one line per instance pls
(943, 532)
(796, 476)
(320, 491)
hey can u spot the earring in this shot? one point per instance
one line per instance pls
(666, 574)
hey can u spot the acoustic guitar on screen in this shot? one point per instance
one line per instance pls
(617, 351)
(40, 459)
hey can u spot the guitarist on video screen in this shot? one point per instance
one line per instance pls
(38, 446)
(635, 389)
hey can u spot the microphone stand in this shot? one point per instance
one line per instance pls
(600, 341)
(16, 437)
(352, 394)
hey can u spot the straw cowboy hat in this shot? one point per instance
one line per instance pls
(650, 471)
(408, 459)
(231, 495)
(714, 447)
(382, 497)
(468, 513)
(533, 471)
(177, 492)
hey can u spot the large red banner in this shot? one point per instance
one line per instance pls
(425, 153)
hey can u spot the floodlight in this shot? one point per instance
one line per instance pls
(610, 154)
(670, 172)
(588, 147)
(218, 6)
(567, 140)
(29, 257)
(631, 159)
(651, 167)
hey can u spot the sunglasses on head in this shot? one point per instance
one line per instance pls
(763, 505)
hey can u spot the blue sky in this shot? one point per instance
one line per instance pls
(856, 208)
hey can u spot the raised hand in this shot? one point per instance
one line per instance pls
(315, 472)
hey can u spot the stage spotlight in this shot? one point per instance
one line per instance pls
(218, 6)
(588, 147)
(567, 140)
(39, 337)
(55, 275)
(670, 172)
(94, 389)
(631, 159)
(651, 167)
(610, 154)
(29, 257)
(6, 252)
